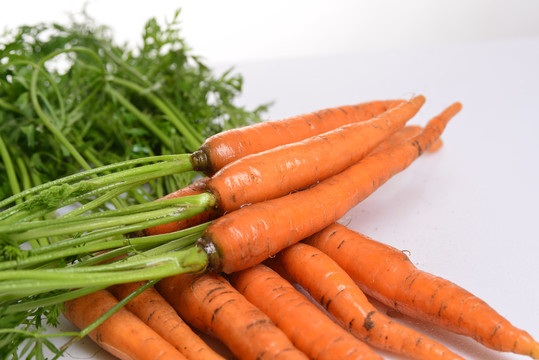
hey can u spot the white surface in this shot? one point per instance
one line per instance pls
(468, 212)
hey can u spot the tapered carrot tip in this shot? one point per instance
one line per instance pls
(535, 351)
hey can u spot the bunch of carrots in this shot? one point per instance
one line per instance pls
(224, 256)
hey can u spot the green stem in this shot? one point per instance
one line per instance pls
(50, 300)
(133, 244)
(193, 139)
(94, 171)
(143, 118)
(82, 225)
(10, 169)
(191, 260)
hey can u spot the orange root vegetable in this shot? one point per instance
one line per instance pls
(248, 236)
(337, 292)
(284, 169)
(159, 315)
(312, 331)
(387, 274)
(123, 335)
(197, 187)
(209, 303)
(231, 145)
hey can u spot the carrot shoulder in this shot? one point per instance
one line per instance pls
(231, 145)
(123, 334)
(253, 233)
(337, 292)
(312, 331)
(388, 275)
(281, 170)
(209, 303)
(158, 314)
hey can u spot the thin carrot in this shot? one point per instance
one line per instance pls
(197, 187)
(253, 233)
(231, 145)
(388, 275)
(209, 303)
(123, 334)
(281, 170)
(159, 315)
(311, 331)
(337, 292)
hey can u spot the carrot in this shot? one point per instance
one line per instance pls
(253, 233)
(197, 187)
(159, 315)
(123, 334)
(231, 145)
(209, 303)
(309, 328)
(387, 274)
(335, 290)
(281, 170)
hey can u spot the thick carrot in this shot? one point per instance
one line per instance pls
(231, 145)
(123, 334)
(253, 233)
(388, 275)
(337, 292)
(284, 169)
(158, 314)
(197, 187)
(312, 331)
(209, 303)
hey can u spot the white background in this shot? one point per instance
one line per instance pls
(469, 212)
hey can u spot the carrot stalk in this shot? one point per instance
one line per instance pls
(309, 328)
(337, 292)
(209, 303)
(123, 334)
(159, 315)
(387, 274)
(248, 236)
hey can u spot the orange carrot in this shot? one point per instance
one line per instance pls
(281, 170)
(312, 331)
(197, 187)
(335, 290)
(209, 303)
(123, 334)
(159, 315)
(228, 146)
(388, 275)
(253, 233)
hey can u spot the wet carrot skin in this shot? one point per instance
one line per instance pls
(309, 328)
(159, 315)
(123, 334)
(337, 292)
(209, 303)
(291, 167)
(388, 275)
(253, 233)
(226, 147)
